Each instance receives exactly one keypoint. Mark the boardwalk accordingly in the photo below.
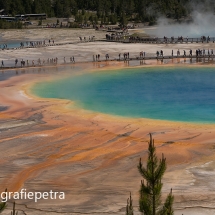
(122, 40)
(161, 40)
(204, 59)
(47, 45)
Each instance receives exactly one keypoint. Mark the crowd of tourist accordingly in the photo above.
(86, 39)
(137, 39)
(39, 62)
(198, 53)
(32, 44)
(121, 56)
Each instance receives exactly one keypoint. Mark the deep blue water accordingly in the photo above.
(167, 93)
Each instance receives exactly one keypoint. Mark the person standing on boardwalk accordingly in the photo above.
(178, 52)
(172, 52)
(98, 57)
(2, 63)
(125, 56)
(157, 53)
(203, 52)
(119, 56)
(162, 53)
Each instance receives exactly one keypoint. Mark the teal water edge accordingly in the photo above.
(166, 93)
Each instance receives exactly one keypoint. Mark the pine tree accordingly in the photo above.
(129, 207)
(150, 192)
(123, 20)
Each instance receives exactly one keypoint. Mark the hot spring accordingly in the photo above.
(166, 93)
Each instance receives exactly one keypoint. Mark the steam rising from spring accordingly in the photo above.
(202, 25)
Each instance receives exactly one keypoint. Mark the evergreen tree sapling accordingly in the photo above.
(150, 190)
(129, 207)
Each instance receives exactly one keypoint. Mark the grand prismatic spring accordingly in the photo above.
(166, 93)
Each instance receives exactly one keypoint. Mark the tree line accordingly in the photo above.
(107, 11)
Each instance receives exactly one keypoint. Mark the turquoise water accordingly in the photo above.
(176, 94)
(15, 44)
